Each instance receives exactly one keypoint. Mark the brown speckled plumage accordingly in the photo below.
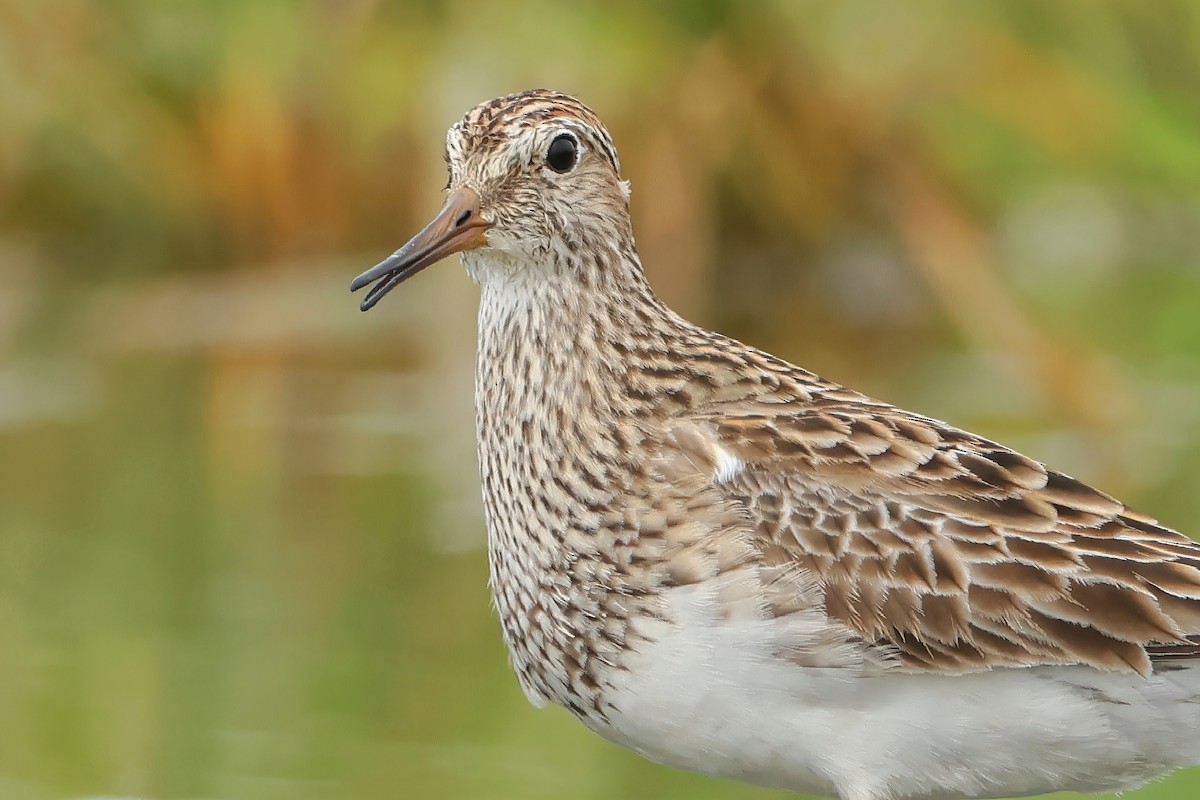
(638, 470)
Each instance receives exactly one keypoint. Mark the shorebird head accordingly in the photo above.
(534, 183)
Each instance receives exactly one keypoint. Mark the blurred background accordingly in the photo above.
(241, 546)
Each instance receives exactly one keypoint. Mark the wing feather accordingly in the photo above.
(952, 551)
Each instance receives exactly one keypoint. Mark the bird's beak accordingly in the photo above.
(456, 228)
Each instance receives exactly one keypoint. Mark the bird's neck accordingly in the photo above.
(552, 412)
(562, 337)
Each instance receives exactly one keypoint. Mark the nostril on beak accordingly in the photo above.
(462, 218)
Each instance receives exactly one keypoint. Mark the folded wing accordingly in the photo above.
(949, 551)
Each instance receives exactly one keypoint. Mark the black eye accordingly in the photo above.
(561, 155)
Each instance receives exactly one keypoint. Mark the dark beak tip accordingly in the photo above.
(376, 272)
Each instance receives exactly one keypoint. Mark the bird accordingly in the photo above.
(733, 566)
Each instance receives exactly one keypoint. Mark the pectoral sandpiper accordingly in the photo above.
(731, 565)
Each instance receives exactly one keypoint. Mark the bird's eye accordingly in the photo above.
(562, 153)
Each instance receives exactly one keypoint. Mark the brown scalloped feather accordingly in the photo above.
(953, 552)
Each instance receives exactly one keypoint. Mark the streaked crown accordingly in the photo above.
(493, 126)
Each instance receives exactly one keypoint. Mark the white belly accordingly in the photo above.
(713, 696)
